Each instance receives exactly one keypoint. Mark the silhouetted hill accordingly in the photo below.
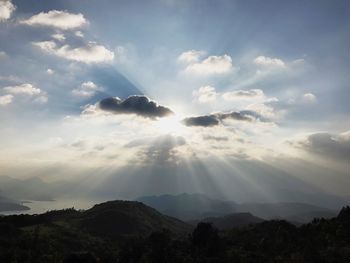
(117, 218)
(231, 220)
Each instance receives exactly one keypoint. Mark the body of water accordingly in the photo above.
(39, 207)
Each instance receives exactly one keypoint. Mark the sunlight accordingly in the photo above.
(171, 125)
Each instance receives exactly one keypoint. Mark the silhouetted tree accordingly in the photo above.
(206, 243)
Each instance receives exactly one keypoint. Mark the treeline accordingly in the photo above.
(48, 240)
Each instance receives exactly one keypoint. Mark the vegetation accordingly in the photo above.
(132, 232)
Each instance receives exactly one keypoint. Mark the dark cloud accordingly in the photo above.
(136, 104)
(215, 119)
(203, 121)
(326, 144)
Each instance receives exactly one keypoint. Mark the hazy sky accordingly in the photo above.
(243, 99)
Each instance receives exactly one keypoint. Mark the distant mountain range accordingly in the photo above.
(198, 206)
(26, 189)
(189, 206)
(7, 204)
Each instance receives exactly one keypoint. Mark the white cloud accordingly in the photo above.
(24, 89)
(59, 37)
(345, 136)
(6, 99)
(265, 110)
(211, 65)
(205, 94)
(89, 85)
(3, 54)
(91, 53)
(57, 19)
(243, 95)
(191, 56)
(42, 99)
(50, 71)
(309, 98)
(267, 61)
(86, 90)
(6, 10)
(79, 34)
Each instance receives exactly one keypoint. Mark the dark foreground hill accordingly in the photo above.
(231, 221)
(121, 231)
(127, 218)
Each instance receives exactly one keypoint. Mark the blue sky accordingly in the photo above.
(264, 82)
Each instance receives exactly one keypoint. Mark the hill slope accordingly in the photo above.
(118, 218)
(231, 220)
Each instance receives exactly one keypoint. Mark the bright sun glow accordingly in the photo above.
(171, 125)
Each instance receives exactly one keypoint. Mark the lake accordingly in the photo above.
(39, 207)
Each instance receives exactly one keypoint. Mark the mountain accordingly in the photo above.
(126, 231)
(26, 189)
(125, 218)
(231, 220)
(298, 212)
(189, 206)
(7, 204)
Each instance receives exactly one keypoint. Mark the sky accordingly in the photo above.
(245, 100)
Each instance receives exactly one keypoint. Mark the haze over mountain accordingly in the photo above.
(7, 204)
(201, 207)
